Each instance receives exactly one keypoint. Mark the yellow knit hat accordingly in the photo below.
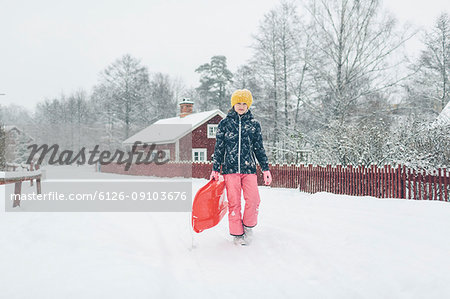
(242, 96)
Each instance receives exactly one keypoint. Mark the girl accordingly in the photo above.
(238, 145)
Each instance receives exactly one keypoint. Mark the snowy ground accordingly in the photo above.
(305, 246)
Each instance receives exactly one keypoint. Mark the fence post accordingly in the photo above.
(350, 179)
(386, 182)
(357, 180)
(291, 175)
(419, 179)
(439, 184)
(287, 176)
(324, 179)
(303, 182)
(435, 185)
(294, 176)
(346, 179)
(307, 177)
(329, 178)
(380, 181)
(391, 182)
(361, 180)
(38, 180)
(332, 180)
(403, 182)
(377, 181)
(430, 187)
(373, 180)
(31, 169)
(316, 178)
(337, 179)
(353, 181)
(399, 181)
(17, 192)
(425, 195)
(308, 173)
(446, 181)
(320, 178)
(300, 175)
(409, 183)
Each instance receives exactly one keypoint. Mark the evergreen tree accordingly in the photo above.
(21, 152)
(215, 77)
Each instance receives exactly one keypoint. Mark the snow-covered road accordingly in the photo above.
(305, 246)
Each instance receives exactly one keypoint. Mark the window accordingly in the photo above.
(199, 154)
(212, 130)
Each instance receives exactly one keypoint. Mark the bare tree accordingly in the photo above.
(179, 89)
(162, 99)
(2, 146)
(268, 64)
(429, 88)
(81, 119)
(287, 28)
(125, 84)
(354, 46)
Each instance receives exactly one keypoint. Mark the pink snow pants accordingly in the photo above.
(234, 183)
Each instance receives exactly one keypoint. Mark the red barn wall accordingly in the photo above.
(200, 137)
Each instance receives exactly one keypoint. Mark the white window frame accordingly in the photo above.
(199, 150)
(213, 127)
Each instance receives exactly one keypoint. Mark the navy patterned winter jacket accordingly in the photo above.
(238, 141)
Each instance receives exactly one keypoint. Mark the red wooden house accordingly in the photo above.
(187, 137)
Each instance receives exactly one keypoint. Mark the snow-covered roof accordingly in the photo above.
(444, 116)
(9, 128)
(169, 130)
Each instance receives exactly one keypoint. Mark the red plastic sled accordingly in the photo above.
(209, 206)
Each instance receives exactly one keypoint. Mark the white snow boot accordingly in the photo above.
(248, 234)
(239, 240)
(248, 231)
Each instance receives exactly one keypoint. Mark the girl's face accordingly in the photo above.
(240, 108)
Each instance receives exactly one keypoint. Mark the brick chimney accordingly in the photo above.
(186, 106)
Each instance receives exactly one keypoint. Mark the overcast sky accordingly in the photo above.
(49, 47)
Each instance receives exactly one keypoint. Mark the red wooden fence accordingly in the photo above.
(381, 182)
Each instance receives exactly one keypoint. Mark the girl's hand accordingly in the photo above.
(267, 177)
(214, 175)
